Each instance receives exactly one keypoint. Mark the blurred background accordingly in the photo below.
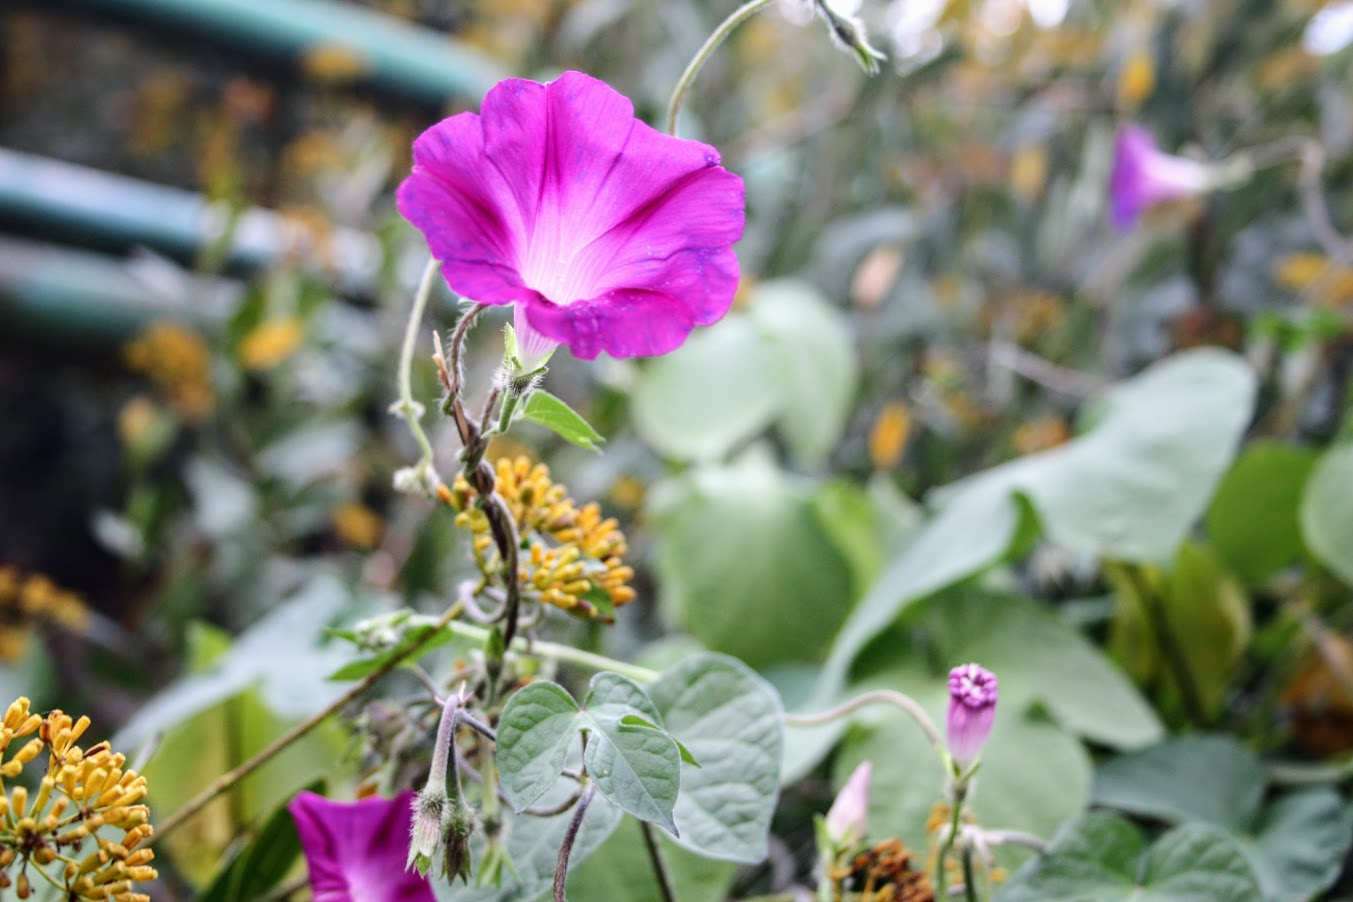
(203, 281)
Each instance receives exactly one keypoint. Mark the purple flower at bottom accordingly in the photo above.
(356, 850)
(607, 234)
(972, 709)
(1144, 176)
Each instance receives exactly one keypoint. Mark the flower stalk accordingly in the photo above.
(720, 34)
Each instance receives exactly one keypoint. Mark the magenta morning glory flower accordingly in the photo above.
(606, 234)
(1144, 176)
(356, 850)
(972, 709)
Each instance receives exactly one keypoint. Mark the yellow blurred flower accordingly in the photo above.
(271, 342)
(888, 438)
(1029, 171)
(26, 600)
(333, 63)
(1041, 434)
(1136, 80)
(1329, 282)
(177, 362)
(81, 798)
(358, 525)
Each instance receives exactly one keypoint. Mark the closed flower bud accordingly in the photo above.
(847, 819)
(972, 710)
(429, 808)
(458, 822)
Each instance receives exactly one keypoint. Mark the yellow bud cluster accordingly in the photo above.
(572, 551)
(177, 362)
(25, 600)
(80, 793)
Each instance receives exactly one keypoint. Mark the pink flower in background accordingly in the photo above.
(356, 850)
(1144, 176)
(607, 234)
(848, 817)
(972, 710)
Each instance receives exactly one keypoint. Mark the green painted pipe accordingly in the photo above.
(82, 297)
(399, 57)
(78, 205)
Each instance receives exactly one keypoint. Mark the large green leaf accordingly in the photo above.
(637, 767)
(1130, 489)
(719, 389)
(1209, 616)
(278, 654)
(745, 565)
(1327, 511)
(1207, 778)
(816, 361)
(789, 360)
(732, 722)
(1296, 844)
(537, 726)
(1254, 518)
(1098, 858)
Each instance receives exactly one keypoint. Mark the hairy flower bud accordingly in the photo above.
(429, 809)
(458, 821)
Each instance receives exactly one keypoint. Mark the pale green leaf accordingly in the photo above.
(1327, 511)
(1254, 519)
(732, 721)
(717, 390)
(545, 409)
(745, 565)
(638, 770)
(537, 725)
(1097, 858)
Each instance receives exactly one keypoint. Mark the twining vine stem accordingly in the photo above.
(407, 407)
(230, 778)
(558, 652)
(739, 15)
(886, 696)
(574, 825)
(664, 878)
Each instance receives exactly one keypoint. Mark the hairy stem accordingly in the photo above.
(406, 406)
(887, 696)
(557, 652)
(740, 15)
(229, 779)
(659, 866)
(574, 825)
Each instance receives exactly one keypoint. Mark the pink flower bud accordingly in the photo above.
(972, 709)
(847, 819)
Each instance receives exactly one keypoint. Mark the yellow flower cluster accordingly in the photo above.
(177, 361)
(81, 798)
(25, 600)
(573, 556)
